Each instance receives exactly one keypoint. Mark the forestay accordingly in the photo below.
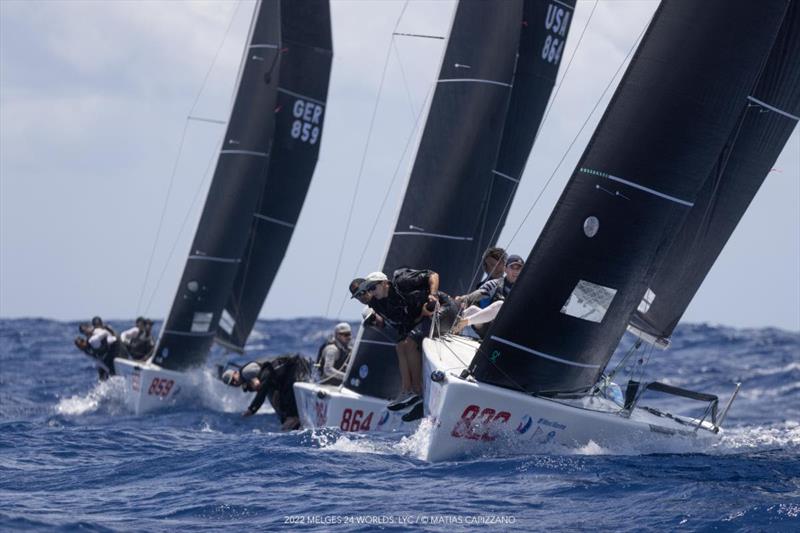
(767, 119)
(439, 220)
(656, 144)
(305, 66)
(233, 196)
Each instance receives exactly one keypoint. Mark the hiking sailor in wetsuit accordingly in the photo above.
(101, 343)
(407, 303)
(138, 340)
(494, 291)
(332, 356)
(274, 380)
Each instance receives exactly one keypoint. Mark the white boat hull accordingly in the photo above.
(148, 387)
(468, 417)
(326, 406)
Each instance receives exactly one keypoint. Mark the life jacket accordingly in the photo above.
(338, 363)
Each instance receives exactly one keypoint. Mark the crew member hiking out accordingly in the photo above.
(333, 355)
(274, 380)
(138, 340)
(99, 342)
(494, 291)
(407, 303)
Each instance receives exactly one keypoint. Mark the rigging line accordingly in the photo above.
(495, 233)
(405, 81)
(411, 137)
(201, 187)
(418, 35)
(178, 158)
(363, 161)
(577, 135)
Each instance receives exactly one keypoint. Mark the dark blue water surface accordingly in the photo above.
(73, 458)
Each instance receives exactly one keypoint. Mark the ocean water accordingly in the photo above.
(72, 457)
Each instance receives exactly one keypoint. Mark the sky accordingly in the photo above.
(102, 177)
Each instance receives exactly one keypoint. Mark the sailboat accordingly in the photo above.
(263, 172)
(500, 64)
(705, 107)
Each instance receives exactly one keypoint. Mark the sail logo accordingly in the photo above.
(307, 118)
(556, 23)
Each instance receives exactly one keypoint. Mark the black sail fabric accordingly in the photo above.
(439, 220)
(232, 199)
(769, 117)
(545, 27)
(305, 67)
(657, 142)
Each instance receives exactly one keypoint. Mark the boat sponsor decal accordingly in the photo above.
(543, 439)
(479, 424)
(545, 422)
(525, 424)
(321, 412)
(160, 387)
(384, 418)
(136, 380)
(669, 431)
(355, 420)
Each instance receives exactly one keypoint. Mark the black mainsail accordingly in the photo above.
(305, 67)
(658, 141)
(543, 36)
(768, 119)
(439, 219)
(235, 189)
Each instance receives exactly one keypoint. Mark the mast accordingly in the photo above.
(543, 36)
(768, 117)
(305, 67)
(656, 144)
(439, 219)
(239, 177)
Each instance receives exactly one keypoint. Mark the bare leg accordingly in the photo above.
(414, 361)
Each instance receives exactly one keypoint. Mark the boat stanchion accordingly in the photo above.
(728, 406)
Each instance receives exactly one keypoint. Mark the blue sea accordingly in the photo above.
(72, 457)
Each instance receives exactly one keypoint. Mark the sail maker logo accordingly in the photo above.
(307, 118)
(556, 23)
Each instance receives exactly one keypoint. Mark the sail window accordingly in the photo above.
(201, 322)
(647, 301)
(590, 226)
(589, 301)
(226, 322)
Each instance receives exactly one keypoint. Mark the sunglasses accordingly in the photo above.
(345, 334)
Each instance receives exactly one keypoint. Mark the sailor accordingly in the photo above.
(494, 291)
(138, 340)
(272, 379)
(493, 263)
(100, 343)
(333, 355)
(407, 303)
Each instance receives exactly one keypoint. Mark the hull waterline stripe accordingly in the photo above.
(264, 46)
(273, 220)
(190, 333)
(298, 95)
(772, 108)
(212, 258)
(245, 152)
(475, 80)
(654, 192)
(563, 4)
(541, 354)
(382, 343)
(437, 235)
(506, 176)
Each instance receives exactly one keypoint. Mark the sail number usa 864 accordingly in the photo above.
(307, 118)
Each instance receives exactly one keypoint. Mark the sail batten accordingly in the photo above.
(660, 137)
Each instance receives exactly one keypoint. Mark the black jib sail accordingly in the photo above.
(439, 219)
(545, 26)
(235, 189)
(306, 56)
(768, 118)
(656, 144)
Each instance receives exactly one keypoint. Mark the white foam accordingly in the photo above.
(112, 389)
